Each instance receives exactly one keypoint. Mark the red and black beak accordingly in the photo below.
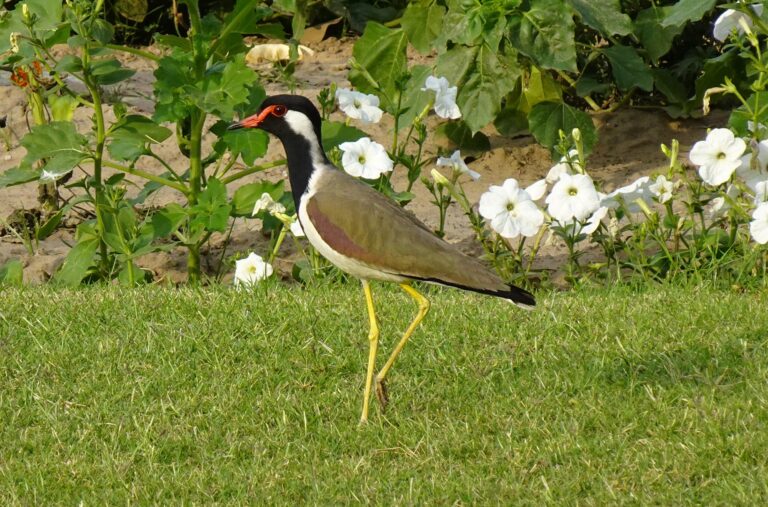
(253, 121)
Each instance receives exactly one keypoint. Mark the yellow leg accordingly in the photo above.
(373, 344)
(381, 388)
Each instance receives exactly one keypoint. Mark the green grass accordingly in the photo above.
(111, 396)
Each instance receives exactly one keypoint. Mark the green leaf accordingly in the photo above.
(69, 63)
(48, 14)
(12, 273)
(605, 16)
(246, 196)
(102, 31)
(18, 175)
(547, 119)
(58, 142)
(545, 33)
(381, 52)
(47, 228)
(212, 209)
(462, 137)
(173, 81)
(168, 219)
(422, 23)
(655, 38)
(111, 71)
(335, 132)
(79, 259)
(225, 90)
(483, 80)
(249, 144)
(757, 105)
(132, 134)
(629, 69)
(62, 107)
(686, 11)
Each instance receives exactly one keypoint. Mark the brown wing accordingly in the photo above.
(363, 224)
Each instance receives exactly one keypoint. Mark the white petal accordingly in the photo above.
(536, 190)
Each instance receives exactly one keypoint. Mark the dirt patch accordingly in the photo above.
(628, 147)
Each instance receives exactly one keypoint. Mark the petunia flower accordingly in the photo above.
(758, 227)
(730, 21)
(754, 166)
(265, 202)
(365, 159)
(662, 188)
(457, 165)
(565, 167)
(629, 194)
(359, 106)
(252, 269)
(718, 156)
(573, 197)
(296, 229)
(510, 210)
(445, 97)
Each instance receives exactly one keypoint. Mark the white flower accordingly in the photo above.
(296, 229)
(718, 156)
(445, 97)
(572, 197)
(754, 175)
(730, 21)
(457, 164)
(365, 159)
(758, 227)
(629, 194)
(662, 188)
(47, 175)
(537, 189)
(265, 202)
(359, 105)
(760, 130)
(250, 270)
(565, 167)
(510, 210)
(761, 192)
(719, 205)
(594, 220)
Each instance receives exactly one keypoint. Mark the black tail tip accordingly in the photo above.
(518, 296)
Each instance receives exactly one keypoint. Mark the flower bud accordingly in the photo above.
(576, 134)
(439, 178)
(15, 41)
(25, 14)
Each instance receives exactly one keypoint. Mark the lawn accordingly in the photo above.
(114, 396)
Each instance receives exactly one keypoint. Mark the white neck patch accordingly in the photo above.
(301, 125)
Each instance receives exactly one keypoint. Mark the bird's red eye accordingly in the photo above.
(279, 110)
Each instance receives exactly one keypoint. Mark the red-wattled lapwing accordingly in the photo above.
(363, 232)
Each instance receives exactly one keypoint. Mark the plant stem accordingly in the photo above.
(148, 176)
(252, 170)
(195, 186)
(134, 51)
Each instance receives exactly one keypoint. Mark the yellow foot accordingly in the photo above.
(382, 393)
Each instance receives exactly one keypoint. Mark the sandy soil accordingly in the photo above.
(628, 148)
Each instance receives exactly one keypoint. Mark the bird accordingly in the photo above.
(366, 234)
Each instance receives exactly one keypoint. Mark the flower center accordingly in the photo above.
(361, 159)
(357, 103)
(252, 270)
(573, 191)
(510, 206)
(720, 156)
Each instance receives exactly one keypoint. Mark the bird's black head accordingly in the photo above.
(285, 116)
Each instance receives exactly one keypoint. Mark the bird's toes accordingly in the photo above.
(382, 393)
